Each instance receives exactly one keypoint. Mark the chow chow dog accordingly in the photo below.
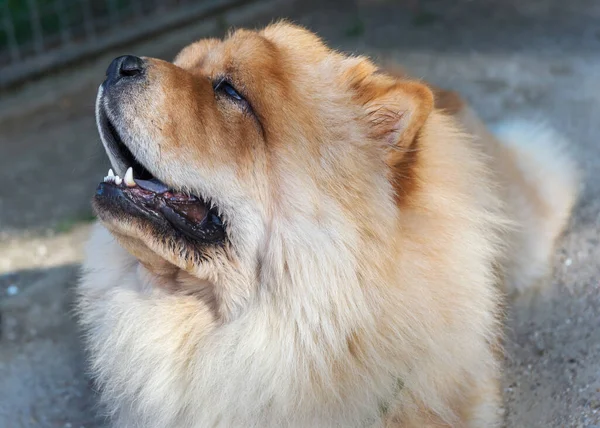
(293, 237)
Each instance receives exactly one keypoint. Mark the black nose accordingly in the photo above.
(125, 66)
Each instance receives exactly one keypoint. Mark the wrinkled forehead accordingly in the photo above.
(234, 54)
(267, 52)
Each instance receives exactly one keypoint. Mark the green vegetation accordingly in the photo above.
(55, 16)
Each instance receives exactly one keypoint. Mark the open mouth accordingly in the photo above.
(146, 197)
(115, 145)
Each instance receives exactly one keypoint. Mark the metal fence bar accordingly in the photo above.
(36, 26)
(11, 38)
(113, 12)
(88, 19)
(84, 37)
(60, 9)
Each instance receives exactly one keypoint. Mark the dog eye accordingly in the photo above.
(225, 87)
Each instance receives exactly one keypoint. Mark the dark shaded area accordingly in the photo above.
(37, 334)
(487, 26)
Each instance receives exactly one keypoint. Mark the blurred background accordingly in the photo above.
(533, 58)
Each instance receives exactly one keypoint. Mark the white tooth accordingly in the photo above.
(105, 179)
(117, 180)
(111, 173)
(128, 179)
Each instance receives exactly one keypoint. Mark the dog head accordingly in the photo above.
(253, 154)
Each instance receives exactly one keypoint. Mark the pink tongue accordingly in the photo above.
(153, 185)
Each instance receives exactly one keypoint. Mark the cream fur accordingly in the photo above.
(543, 158)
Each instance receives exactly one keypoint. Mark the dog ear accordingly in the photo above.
(396, 110)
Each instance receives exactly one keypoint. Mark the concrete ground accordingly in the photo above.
(509, 58)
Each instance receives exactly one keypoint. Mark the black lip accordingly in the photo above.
(160, 210)
(109, 195)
